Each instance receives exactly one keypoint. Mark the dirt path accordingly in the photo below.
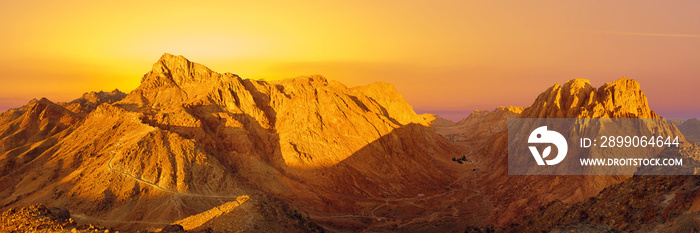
(111, 168)
(81, 217)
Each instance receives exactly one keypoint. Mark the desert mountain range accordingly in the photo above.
(212, 151)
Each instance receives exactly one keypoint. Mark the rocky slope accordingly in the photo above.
(36, 218)
(638, 204)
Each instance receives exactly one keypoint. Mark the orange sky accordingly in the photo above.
(448, 57)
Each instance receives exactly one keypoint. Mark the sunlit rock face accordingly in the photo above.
(188, 138)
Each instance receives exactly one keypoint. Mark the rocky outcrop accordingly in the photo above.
(36, 218)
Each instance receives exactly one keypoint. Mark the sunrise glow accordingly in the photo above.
(447, 57)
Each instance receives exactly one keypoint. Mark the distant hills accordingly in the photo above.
(691, 130)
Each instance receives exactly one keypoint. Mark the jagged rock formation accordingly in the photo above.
(622, 98)
(575, 99)
(484, 137)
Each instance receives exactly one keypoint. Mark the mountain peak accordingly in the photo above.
(168, 60)
(168, 63)
(578, 98)
(177, 69)
(577, 84)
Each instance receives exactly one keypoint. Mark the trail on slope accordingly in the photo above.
(93, 219)
(111, 168)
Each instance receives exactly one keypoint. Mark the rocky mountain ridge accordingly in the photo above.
(207, 150)
(189, 139)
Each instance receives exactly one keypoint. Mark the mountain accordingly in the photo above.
(189, 139)
(517, 196)
(676, 122)
(27, 131)
(198, 150)
(473, 131)
(437, 121)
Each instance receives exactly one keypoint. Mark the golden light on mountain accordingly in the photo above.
(194, 149)
(293, 116)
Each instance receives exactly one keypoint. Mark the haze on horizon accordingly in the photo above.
(447, 57)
